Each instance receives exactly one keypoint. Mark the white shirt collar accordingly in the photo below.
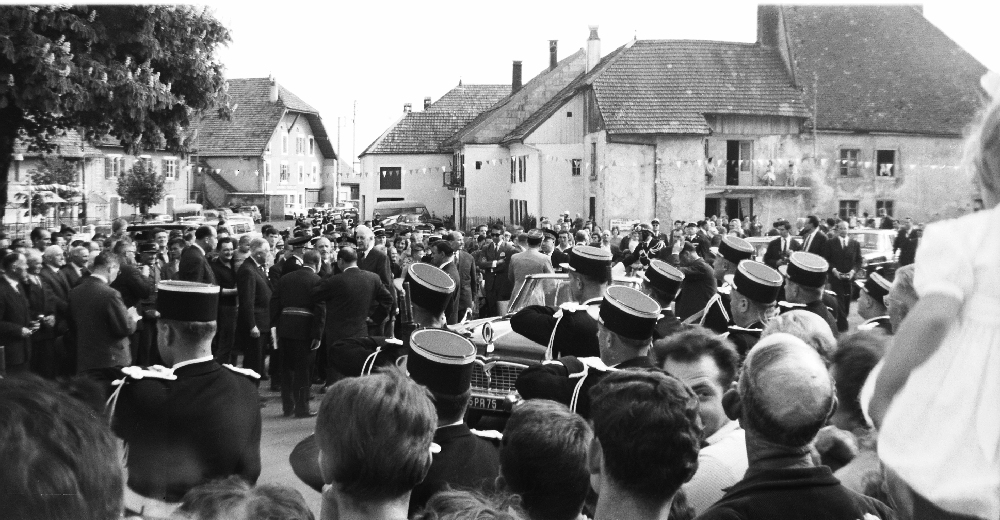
(195, 244)
(13, 283)
(726, 429)
(78, 269)
(450, 425)
(441, 267)
(100, 277)
(191, 362)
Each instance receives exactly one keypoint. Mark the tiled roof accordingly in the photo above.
(70, 145)
(882, 68)
(491, 126)
(254, 121)
(545, 112)
(424, 132)
(665, 86)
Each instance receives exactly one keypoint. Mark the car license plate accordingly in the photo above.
(486, 403)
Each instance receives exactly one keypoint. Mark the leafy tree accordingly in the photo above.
(141, 187)
(57, 175)
(138, 74)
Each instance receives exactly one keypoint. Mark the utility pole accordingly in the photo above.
(815, 117)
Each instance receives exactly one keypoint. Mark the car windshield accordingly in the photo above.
(868, 240)
(552, 292)
(411, 218)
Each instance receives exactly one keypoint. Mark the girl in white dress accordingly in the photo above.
(937, 400)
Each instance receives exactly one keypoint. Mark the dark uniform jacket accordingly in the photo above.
(745, 337)
(194, 266)
(101, 323)
(204, 425)
(697, 288)
(667, 325)
(294, 312)
(68, 273)
(132, 285)
(376, 261)
(254, 292)
(794, 493)
(774, 253)
(15, 314)
(575, 331)
(551, 380)
(351, 298)
(643, 252)
(906, 242)
(497, 285)
(466, 461)
(559, 258)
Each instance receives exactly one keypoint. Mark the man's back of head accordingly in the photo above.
(647, 435)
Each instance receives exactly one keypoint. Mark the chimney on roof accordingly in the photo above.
(274, 90)
(427, 102)
(593, 48)
(515, 80)
(407, 108)
(553, 53)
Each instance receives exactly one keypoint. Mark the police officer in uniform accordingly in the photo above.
(732, 250)
(442, 361)
(805, 276)
(570, 330)
(299, 320)
(755, 288)
(871, 303)
(627, 319)
(194, 422)
(661, 282)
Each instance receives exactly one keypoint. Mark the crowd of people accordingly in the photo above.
(719, 387)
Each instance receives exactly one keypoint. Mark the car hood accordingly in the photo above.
(507, 345)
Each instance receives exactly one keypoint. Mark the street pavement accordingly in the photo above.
(278, 437)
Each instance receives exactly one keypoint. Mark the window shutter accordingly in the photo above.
(107, 167)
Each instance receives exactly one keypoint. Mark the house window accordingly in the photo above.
(849, 166)
(888, 205)
(267, 171)
(513, 175)
(593, 160)
(300, 199)
(283, 178)
(390, 178)
(575, 167)
(885, 163)
(848, 209)
(169, 168)
(569, 114)
(479, 165)
(312, 145)
(300, 144)
(315, 172)
(112, 166)
(522, 168)
(746, 156)
(284, 142)
(302, 170)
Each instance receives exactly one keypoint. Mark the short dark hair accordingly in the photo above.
(648, 426)
(203, 232)
(106, 259)
(691, 345)
(311, 257)
(61, 460)
(443, 246)
(348, 254)
(855, 357)
(177, 241)
(55, 237)
(451, 408)
(9, 259)
(36, 233)
(268, 229)
(226, 240)
(215, 500)
(543, 458)
(813, 220)
(375, 433)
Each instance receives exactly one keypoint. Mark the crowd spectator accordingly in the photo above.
(194, 266)
(806, 326)
(252, 315)
(101, 321)
(234, 499)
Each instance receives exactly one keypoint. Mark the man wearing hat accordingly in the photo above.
(191, 423)
(698, 290)
(755, 289)
(493, 261)
(299, 320)
(442, 362)
(805, 276)
(732, 250)
(661, 282)
(657, 235)
(569, 330)
(626, 321)
(649, 247)
(871, 303)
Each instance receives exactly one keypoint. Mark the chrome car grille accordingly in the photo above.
(495, 377)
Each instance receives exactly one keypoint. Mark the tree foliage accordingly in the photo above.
(138, 74)
(141, 186)
(54, 174)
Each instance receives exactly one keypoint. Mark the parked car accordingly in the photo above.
(147, 232)
(407, 222)
(502, 353)
(876, 251)
(152, 218)
(250, 211)
(760, 245)
(239, 225)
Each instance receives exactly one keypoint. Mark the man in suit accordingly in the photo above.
(884, 220)
(325, 250)
(42, 305)
(528, 262)
(16, 322)
(225, 277)
(443, 257)
(195, 422)
(253, 319)
(76, 266)
(625, 332)
(779, 248)
(468, 291)
(906, 242)
(101, 321)
(805, 276)
(194, 266)
(699, 285)
(570, 329)
(704, 242)
(493, 262)
(813, 238)
(844, 256)
(560, 254)
(299, 320)
(57, 286)
(374, 260)
(175, 248)
(442, 362)
(352, 298)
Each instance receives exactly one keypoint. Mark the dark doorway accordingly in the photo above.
(593, 208)
(739, 208)
(711, 207)
(732, 163)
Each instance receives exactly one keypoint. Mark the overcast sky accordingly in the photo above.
(382, 54)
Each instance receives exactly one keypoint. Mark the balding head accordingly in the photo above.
(807, 326)
(786, 393)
